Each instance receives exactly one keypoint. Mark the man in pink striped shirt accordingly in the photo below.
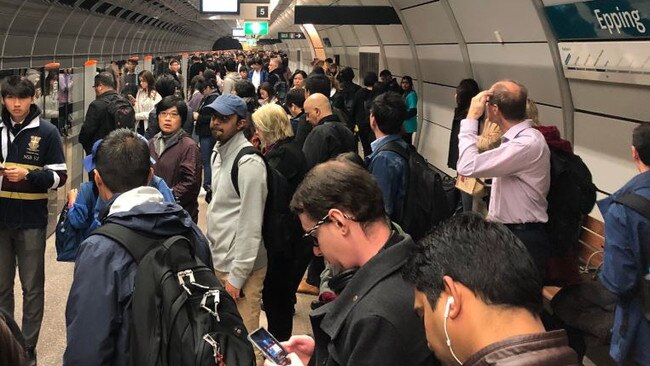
(520, 166)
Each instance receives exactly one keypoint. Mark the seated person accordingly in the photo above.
(480, 296)
(371, 322)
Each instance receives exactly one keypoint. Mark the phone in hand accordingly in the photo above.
(269, 346)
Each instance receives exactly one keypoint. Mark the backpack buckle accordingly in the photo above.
(204, 301)
(181, 279)
(216, 347)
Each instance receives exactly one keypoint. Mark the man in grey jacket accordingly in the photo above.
(235, 220)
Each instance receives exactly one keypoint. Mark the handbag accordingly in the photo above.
(472, 186)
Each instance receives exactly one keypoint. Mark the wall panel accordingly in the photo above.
(434, 146)
(429, 23)
(442, 64)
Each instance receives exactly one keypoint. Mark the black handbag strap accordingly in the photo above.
(641, 205)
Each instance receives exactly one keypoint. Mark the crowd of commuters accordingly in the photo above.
(382, 298)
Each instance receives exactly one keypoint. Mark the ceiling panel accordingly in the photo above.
(429, 23)
(366, 35)
(392, 34)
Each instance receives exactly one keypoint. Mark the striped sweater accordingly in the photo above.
(37, 147)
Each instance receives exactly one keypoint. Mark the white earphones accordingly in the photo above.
(450, 301)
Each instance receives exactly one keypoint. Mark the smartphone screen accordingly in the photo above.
(269, 346)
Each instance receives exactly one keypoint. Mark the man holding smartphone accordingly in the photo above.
(372, 321)
(33, 163)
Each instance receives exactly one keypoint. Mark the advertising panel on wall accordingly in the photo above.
(599, 19)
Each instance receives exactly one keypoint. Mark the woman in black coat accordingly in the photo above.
(285, 269)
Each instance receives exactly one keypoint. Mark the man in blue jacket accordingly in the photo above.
(390, 169)
(624, 262)
(98, 310)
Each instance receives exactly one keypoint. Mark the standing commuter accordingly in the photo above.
(257, 75)
(210, 92)
(475, 319)
(626, 262)
(388, 167)
(235, 219)
(348, 90)
(98, 312)
(231, 78)
(294, 104)
(145, 100)
(129, 79)
(411, 98)
(175, 71)
(95, 126)
(33, 163)
(361, 108)
(372, 321)
(166, 85)
(285, 267)
(520, 165)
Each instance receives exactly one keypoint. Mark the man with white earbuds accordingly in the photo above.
(480, 296)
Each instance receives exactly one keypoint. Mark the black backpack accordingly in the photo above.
(280, 88)
(181, 313)
(276, 229)
(426, 201)
(571, 196)
(120, 113)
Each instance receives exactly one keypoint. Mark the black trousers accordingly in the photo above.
(283, 275)
(535, 238)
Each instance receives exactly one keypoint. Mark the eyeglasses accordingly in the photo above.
(312, 230)
(168, 114)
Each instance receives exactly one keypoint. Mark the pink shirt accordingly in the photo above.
(521, 169)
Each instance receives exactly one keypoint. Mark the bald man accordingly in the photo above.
(329, 137)
(520, 166)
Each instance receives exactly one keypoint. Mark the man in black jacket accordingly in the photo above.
(95, 126)
(372, 322)
(329, 137)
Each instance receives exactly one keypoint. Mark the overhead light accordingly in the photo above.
(214, 17)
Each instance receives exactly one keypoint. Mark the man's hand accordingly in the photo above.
(477, 108)
(72, 196)
(232, 291)
(293, 360)
(301, 345)
(15, 174)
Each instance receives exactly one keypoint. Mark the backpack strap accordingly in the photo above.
(136, 244)
(395, 147)
(636, 202)
(234, 172)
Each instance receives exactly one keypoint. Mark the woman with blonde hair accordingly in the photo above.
(285, 268)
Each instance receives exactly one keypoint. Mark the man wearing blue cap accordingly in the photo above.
(235, 217)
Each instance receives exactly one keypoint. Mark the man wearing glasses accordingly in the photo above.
(95, 127)
(372, 320)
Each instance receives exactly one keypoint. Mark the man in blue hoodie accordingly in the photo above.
(627, 233)
(98, 310)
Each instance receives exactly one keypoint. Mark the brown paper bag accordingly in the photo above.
(473, 186)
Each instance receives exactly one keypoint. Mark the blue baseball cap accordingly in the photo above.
(90, 160)
(229, 104)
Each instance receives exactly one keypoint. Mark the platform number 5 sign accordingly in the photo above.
(262, 11)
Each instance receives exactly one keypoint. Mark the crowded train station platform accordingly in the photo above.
(325, 182)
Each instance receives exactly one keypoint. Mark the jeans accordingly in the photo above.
(207, 144)
(27, 247)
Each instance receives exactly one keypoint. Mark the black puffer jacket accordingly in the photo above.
(95, 126)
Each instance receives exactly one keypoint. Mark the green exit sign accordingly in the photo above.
(256, 28)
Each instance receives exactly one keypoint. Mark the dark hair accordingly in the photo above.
(465, 91)
(511, 105)
(105, 78)
(199, 83)
(172, 101)
(409, 80)
(230, 65)
(166, 85)
(345, 186)
(123, 161)
(317, 83)
(370, 79)
(304, 75)
(389, 110)
(209, 74)
(295, 96)
(347, 74)
(317, 70)
(11, 342)
(17, 86)
(173, 60)
(148, 77)
(329, 60)
(641, 142)
(484, 256)
(245, 88)
(385, 73)
(268, 88)
(351, 157)
(244, 69)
